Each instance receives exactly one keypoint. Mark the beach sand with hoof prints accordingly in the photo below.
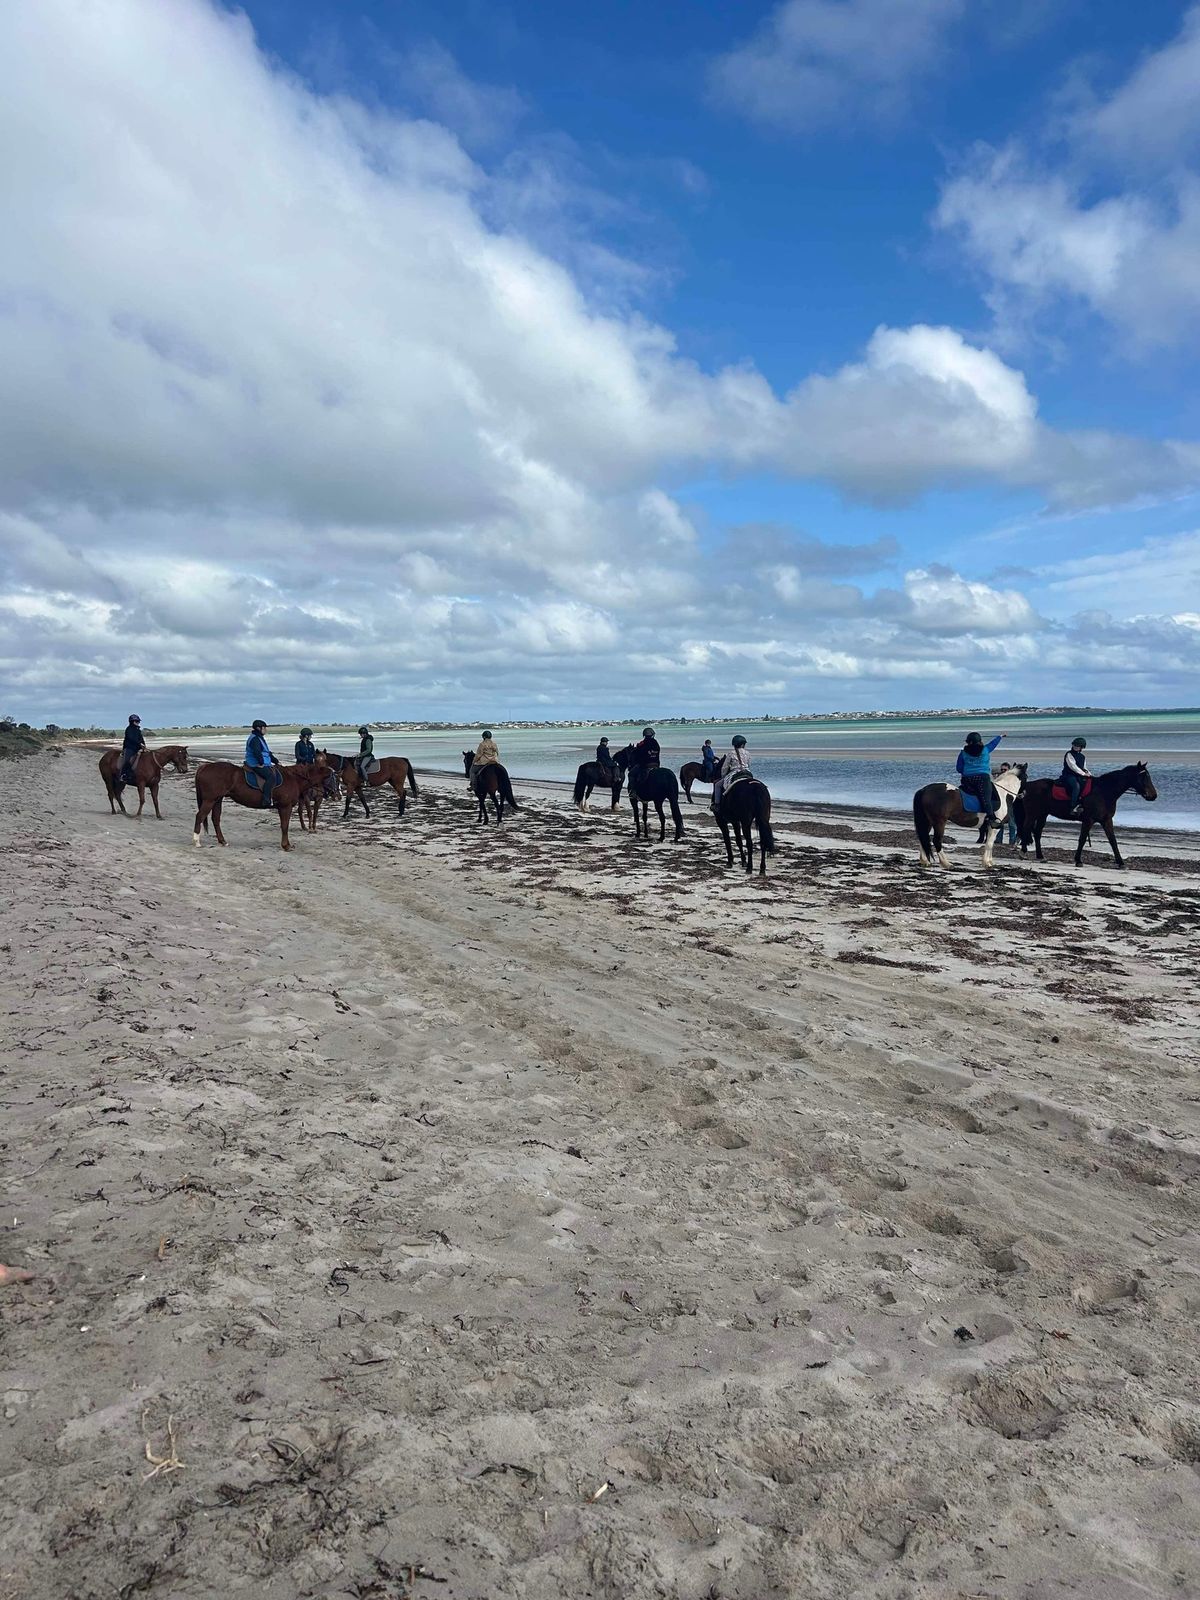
(477, 1213)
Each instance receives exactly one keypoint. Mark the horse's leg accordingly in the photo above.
(687, 792)
(154, 797)
(141, 789)
(724, 827)
(216, 819)
(1106, 824)
(1085, 829)
(749, 844)
(201, 821)
(662, 821)
(285, 817)
(762, 852)
(939, 834)
(989, 839)
(399, 797)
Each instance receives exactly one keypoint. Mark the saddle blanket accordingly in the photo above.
(1058, 791)
(271, 776)
(971, 803)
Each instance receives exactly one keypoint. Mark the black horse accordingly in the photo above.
(594, 775)
(492, 783)
(1099, 806)
(650, 785)
(744, 803)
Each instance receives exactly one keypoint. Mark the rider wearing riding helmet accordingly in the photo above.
(366, 753)
(708, 761)
(604, 756)
(131, 749)
(487, 753)
(1075, 774)
(647, 749)
(306, 750)
(258, 752)
(736, 759)
(974, 766)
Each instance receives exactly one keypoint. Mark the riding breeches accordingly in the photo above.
(981, 786)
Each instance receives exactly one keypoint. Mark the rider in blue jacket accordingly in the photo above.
(258, 752)
(974, 766)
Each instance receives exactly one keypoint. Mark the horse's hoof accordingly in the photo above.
(196, 840)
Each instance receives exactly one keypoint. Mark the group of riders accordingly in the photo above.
(974, 763)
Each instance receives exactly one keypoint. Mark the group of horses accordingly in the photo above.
(745, 804)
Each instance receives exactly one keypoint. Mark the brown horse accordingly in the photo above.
(147, 774)
(491, 783)
(939, 803)
(396, 770)
(746, 802)
(309, 803)
(1098, 806)
(693, 772)
(218, 781)
(652, 785)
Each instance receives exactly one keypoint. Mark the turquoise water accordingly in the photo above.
(839, 761)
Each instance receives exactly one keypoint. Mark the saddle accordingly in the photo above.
(972, 804)
(1058, 791)
(271, 778)
(736, 777)
(368, 768)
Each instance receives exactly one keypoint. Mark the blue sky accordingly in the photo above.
(377, 359)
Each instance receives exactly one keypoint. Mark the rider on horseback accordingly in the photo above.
(131, 749)
(604, 756)
(646, 755)
(708, 761)
(974, 766)
(1075, 774)
(260, 760)
(306, 750)
(733, 763)
(365, 761)
(487, 753)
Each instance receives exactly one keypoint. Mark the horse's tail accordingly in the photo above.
(676, 814)
(921, 823)
(766, 833)
(510, 798)
(412, 779)
(580, 785)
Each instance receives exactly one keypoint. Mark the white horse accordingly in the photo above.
(939, 803)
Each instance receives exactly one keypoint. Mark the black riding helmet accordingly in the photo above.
(306, 733)
(1078, 744)
(363, 732)
(487, 733)
(739, 740)
(604, 740)
(647, 733)
(135, 718)
(974, 741)
(258, 725)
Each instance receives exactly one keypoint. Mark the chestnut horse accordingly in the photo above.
(939, 803)
(492, 782)
(1098, 806)
(147, 774)
(218, 781)
(693, 772)
(746, 802)
(396, 770)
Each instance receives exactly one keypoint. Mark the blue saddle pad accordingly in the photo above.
(269, 779)
(970, 802)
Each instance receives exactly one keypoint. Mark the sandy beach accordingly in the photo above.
(454, 1212)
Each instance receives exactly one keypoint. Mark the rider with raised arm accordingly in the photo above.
(1075, 774)
(735, 761)
(974, 767)
(132, 747)
(487, 753)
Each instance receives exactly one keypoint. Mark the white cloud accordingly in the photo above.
(287, 413)
(828, 62)
(1049, 226)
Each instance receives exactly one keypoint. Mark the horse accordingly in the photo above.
(396, 770)
(1099, 806)
(693, 772)
(491, 783)
(147, 774)
(656, 784)
(218, 781)
(939, 803)
(309, 804)
(594, 775)
(746, 802)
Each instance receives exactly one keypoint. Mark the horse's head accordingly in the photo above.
(468, 757)
(1021, 768)
(624, 757)
(176, 757)
(1144, 783)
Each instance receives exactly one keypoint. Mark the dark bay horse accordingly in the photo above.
(744, 803)
(147, 774)
(650, 785)
(492, 783)
(396, 770)
(1100, 806)
(693, 772)
(594, 775)
(218, 781)
(939, 803)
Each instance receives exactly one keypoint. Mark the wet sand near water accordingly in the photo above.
(463, 1212)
